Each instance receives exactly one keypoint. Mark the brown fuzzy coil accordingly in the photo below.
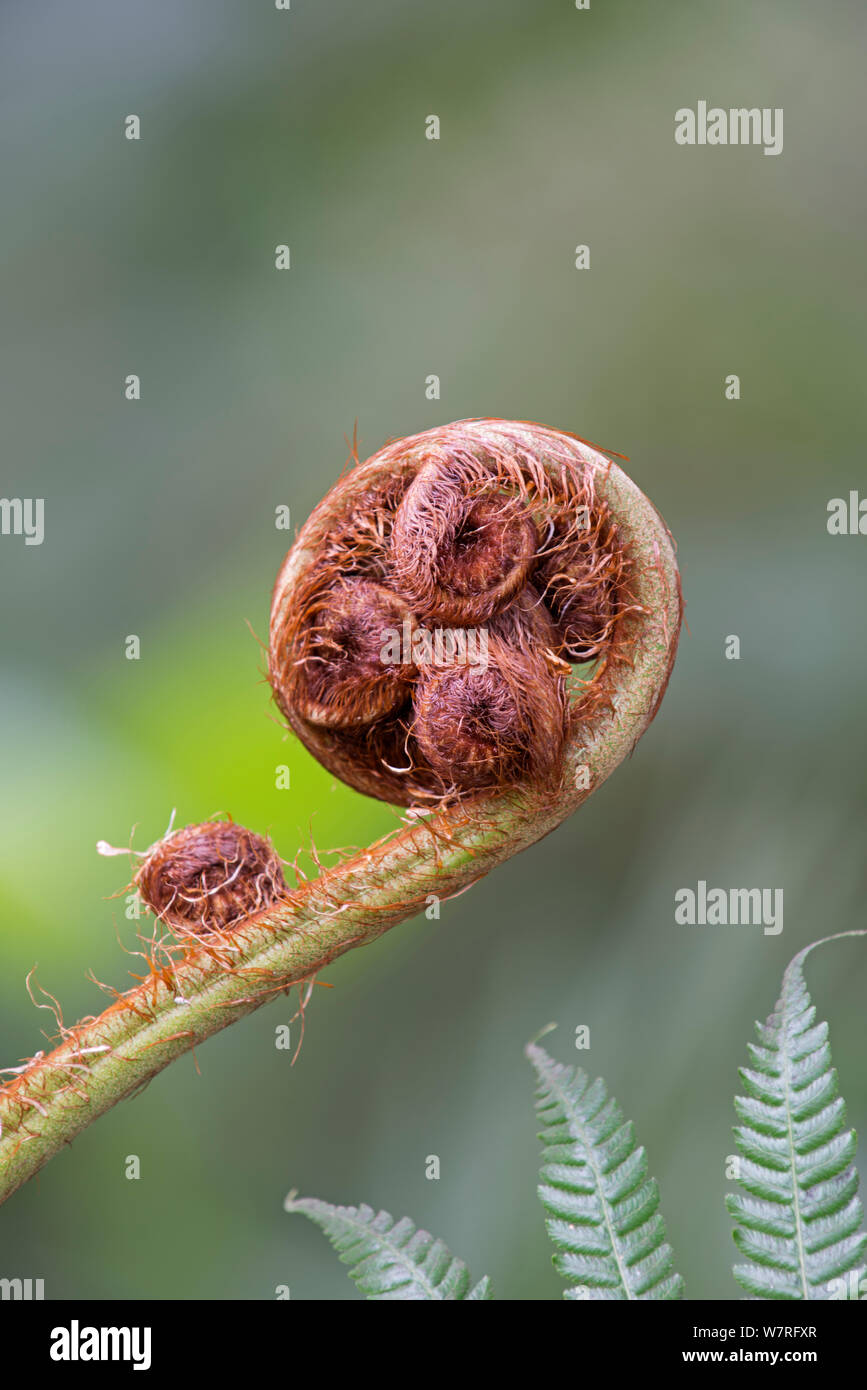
(457, 556)
(528, 625)
(579, 581)
(336, 676)
(209, 877)
(435, 609)
(496, 723)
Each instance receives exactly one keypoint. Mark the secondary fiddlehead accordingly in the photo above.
(525, 533)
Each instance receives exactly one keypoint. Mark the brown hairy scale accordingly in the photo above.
(580, 578)
(381, 760)
(529, 625)
(466, 536)
(456, 556)
(209, 877)
(492, 725)
(503, 722)
(334, 674)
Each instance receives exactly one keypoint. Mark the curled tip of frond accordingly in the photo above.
(445, 589)
(532, 1047)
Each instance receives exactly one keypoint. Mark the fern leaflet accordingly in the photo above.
(390, 1259)
(602, 1208)
(799, 1215)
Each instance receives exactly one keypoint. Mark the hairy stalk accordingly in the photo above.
(107, 1058)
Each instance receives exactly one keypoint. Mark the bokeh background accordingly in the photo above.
(412, 257)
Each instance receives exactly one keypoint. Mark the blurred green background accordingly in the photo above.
(412, 257)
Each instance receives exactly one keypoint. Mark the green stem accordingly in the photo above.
(105, 1059)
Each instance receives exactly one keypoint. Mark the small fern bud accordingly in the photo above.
(208, 878)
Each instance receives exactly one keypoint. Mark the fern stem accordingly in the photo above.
(788, 1087)
(580, 1131)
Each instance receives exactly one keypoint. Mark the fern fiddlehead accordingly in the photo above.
(527, 531)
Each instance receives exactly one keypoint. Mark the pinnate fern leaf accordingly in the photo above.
(390, 1259)
(602, 1209)
(798, 1217)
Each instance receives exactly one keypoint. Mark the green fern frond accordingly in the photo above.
(602, 1208)
(390, 1259)
(799, 1216)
